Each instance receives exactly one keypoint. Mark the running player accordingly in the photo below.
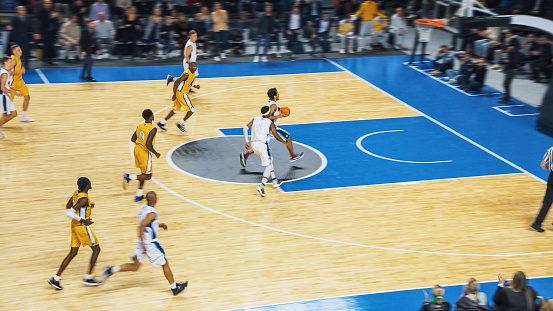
(7, 107)
(79, 210)
(275, 114)
(18, 82)
(180, 98)
(148, 244)
(144, 139)
(190, 54)
(261, 127)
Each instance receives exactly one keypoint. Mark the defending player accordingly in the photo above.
(275, 114)
(148, 244)
(7, 108)
(144, 139)
(261, 127)
(180, 98)
(18, 82)
(79, 210)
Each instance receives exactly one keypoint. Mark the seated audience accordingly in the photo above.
(69, 36)
(105, 33)
(201, 29)
(542, 64)
(471, 298)
(477, 77)
(515, 296)
(398, 29)
(460, 76)
(166, 36)
(293, 27)
(320, 35)
(97, 7)
(437, 302)
(346, 32)
(443, 61)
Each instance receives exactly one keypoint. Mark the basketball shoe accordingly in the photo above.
(296, 157)
(180, 287)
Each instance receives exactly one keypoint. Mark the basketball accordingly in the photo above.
(285, 111)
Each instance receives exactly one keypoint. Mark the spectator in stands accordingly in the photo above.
(89, 46)
(144, 7)
(120, 9)
(97, 7)
(78, 8)
(275, 37)
(471, 298)
(443, 61)
(510, 60)
(49, 26)
(470, 38)
(21, 33)
(398, 29)
(165, 6)
(437, 302)
(151, 33)
(460, 76)
(104, 34)
(368, 10)
(201, 29)
(166, 36)
(542, 64)
(509, 39)
(516, 296)
(479, 76)
(264, 27)
(182, 28)
(314, 10)
(342, 8)
(380, 30)
(179, 5)
(69, 36)
(220, 30)
(320, 35)
(206, 17)
(490, 38)
(346, 32)
(530, 46)
(293, 28)
(130, 33)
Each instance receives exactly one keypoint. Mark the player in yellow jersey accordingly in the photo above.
(181, 87)
(18, 82)
(79, 210)
(144, 139)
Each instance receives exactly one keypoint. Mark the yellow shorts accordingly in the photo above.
(183, 101)
(143, 160)
(21, 87)
(83, 236)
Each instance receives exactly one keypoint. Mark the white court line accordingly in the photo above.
(498, 108)
(42, 76)
(442, 125)
(358, 143)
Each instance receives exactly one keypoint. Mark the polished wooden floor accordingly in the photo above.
(84, 130)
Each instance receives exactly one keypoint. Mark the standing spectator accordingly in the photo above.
(293, 28)
(437, 302)
(517, 296)
(104, 34)
(320, 35)
(120, 9)
(97, 7)
(166, 36)
(264, 25)
(314, 10)
(510, 62)
(346, 32)
(368, 10)
(479, 72)
(89, 46)
(181, 30)
(443, 61)
(21, 32)
(471, 298)
(79, 9)
(48, 25)
(542, 64)
(398, 29)
(151, 33)
(530, 46)
(201, 29)
(69, 37)
(220, 30)
(130, 32)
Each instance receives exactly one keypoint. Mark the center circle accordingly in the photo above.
(218, 159)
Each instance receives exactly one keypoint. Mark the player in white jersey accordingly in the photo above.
(261, 128)
(190, 54)
(7, 108)
(147, 244)
(275, 114)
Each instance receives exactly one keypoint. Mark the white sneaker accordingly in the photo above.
(342, 51)
(278, 54)
(26, 119)
(264, 59)
(217, 58)
(223, 55)
(256, 59)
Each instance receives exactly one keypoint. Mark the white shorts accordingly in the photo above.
(154, 251)
(6, 106)
(263, 151)
(185, 65)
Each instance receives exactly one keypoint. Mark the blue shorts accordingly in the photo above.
(282, 133)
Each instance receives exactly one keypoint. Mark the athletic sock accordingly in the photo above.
(247, 154)
(88, 276)
(181, 122)
(174, 285)
(133, 177)
(24, 114)
(163, 121)
(115, 269)
(138, 192)
(56, 278)
(273, 176)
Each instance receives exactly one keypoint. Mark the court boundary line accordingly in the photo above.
(42, 76)
(441, 124)
(498, 108)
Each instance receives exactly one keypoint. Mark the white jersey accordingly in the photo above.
(9, 80)
(150, 234)
(277, 111)
(192, 55)
(260, 129)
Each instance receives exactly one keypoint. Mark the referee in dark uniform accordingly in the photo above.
(546, 164)
(89, 46)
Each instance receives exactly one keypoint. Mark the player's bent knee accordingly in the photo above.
(148, 177)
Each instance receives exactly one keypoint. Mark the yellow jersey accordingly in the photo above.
(142, 132)
(17, 77)
(184, 86)
(84, 210)
(368, 10)
(345, 28)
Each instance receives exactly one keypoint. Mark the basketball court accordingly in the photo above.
(406, 183)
